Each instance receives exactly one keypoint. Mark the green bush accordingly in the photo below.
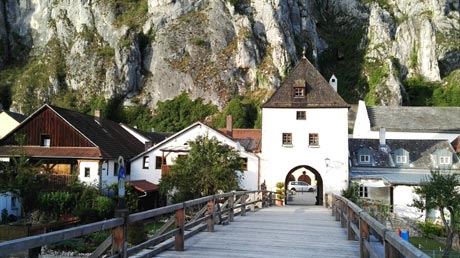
(104, 206)
(136, 233)
(430, 230)
(56, 203)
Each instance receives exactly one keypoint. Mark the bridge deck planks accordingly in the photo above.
(288, 231)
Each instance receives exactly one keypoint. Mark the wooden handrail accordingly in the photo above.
(375, 239)
(237, 203)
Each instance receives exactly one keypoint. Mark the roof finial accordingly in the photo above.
(304, 52)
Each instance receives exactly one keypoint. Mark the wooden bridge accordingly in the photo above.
(210, 227)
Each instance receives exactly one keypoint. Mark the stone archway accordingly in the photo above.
(317, 176)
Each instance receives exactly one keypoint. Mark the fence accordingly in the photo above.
(374, 238)
(193, 216)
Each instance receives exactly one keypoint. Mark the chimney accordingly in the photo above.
(148, 145)
(97, 113)
(152, 130)
(229, 126)
(382, 136)
(333, 82)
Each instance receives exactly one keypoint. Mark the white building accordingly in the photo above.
(404, 122)
(150, 164)
(305, 128)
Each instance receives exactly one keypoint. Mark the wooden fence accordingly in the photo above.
(375, 240)
(186, 219)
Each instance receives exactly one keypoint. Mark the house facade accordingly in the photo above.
(388, 170)
(152, 163)
(305, 129)
(64, 142)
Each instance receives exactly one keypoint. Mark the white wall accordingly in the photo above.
(154, 175)
(6, 203)
(402, 199)
(93, 166)
(7, 124)
(332, 126)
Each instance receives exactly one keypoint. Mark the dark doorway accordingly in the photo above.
(297, 193)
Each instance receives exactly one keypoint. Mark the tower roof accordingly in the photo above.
(305, 87)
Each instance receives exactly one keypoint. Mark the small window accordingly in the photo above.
(401, 159)
(244, 164)
(364, 158)
(287, 138)
(87, 172)
(45, 140)
(444, 160)
(158, 162)
(301, 115)
(363, 191)
(299, 92)
(313, 139)
(145, 163)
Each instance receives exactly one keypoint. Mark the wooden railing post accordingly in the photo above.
(243, 205)
(179, 235)
(231, 205)
(343, 214)
(338, 206)
(390, 250)
(351, 219)
(326, 203)
(272, 200)
(211, 213)
(120, 239)
(334, 205)
(363, 236)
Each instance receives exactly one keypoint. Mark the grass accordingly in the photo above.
(431, 247)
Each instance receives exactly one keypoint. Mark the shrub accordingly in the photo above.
(430, 230)
(104, 206)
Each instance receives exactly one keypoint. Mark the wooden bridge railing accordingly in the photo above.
(185, 220)
(375, 240)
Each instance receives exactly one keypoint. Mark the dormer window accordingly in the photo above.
(299, 92)
(45, 140)
(444, 160)
(401, 159)
(364, 158)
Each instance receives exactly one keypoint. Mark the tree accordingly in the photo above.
(244, 113)
(180, 112)
(441, 191)
(209, 167)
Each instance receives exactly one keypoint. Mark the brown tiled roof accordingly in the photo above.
(143, 185)
(249, 139)
(51, 152)
(319, 94)
(111, 138)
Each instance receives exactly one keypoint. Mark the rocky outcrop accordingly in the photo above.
(214, 49)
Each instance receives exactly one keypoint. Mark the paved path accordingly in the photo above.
(288, 231)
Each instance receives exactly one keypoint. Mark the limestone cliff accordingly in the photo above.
(145, 51)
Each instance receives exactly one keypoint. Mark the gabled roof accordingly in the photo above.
(415, 119)
(16, 116)
(109, 137)
(319, 93)
(174, 136)
(419, 151)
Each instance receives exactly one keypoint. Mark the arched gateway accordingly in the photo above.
(315, 180)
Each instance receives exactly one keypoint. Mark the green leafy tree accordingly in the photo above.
(441, 192)
(209, 167)
(180, 112)
(244, 114)
(22, 181)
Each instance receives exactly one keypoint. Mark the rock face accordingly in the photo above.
(213, 49)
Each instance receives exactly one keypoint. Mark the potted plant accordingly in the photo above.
(280, 193)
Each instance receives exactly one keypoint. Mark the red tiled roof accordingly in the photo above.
(51, 152)
(143, 185)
